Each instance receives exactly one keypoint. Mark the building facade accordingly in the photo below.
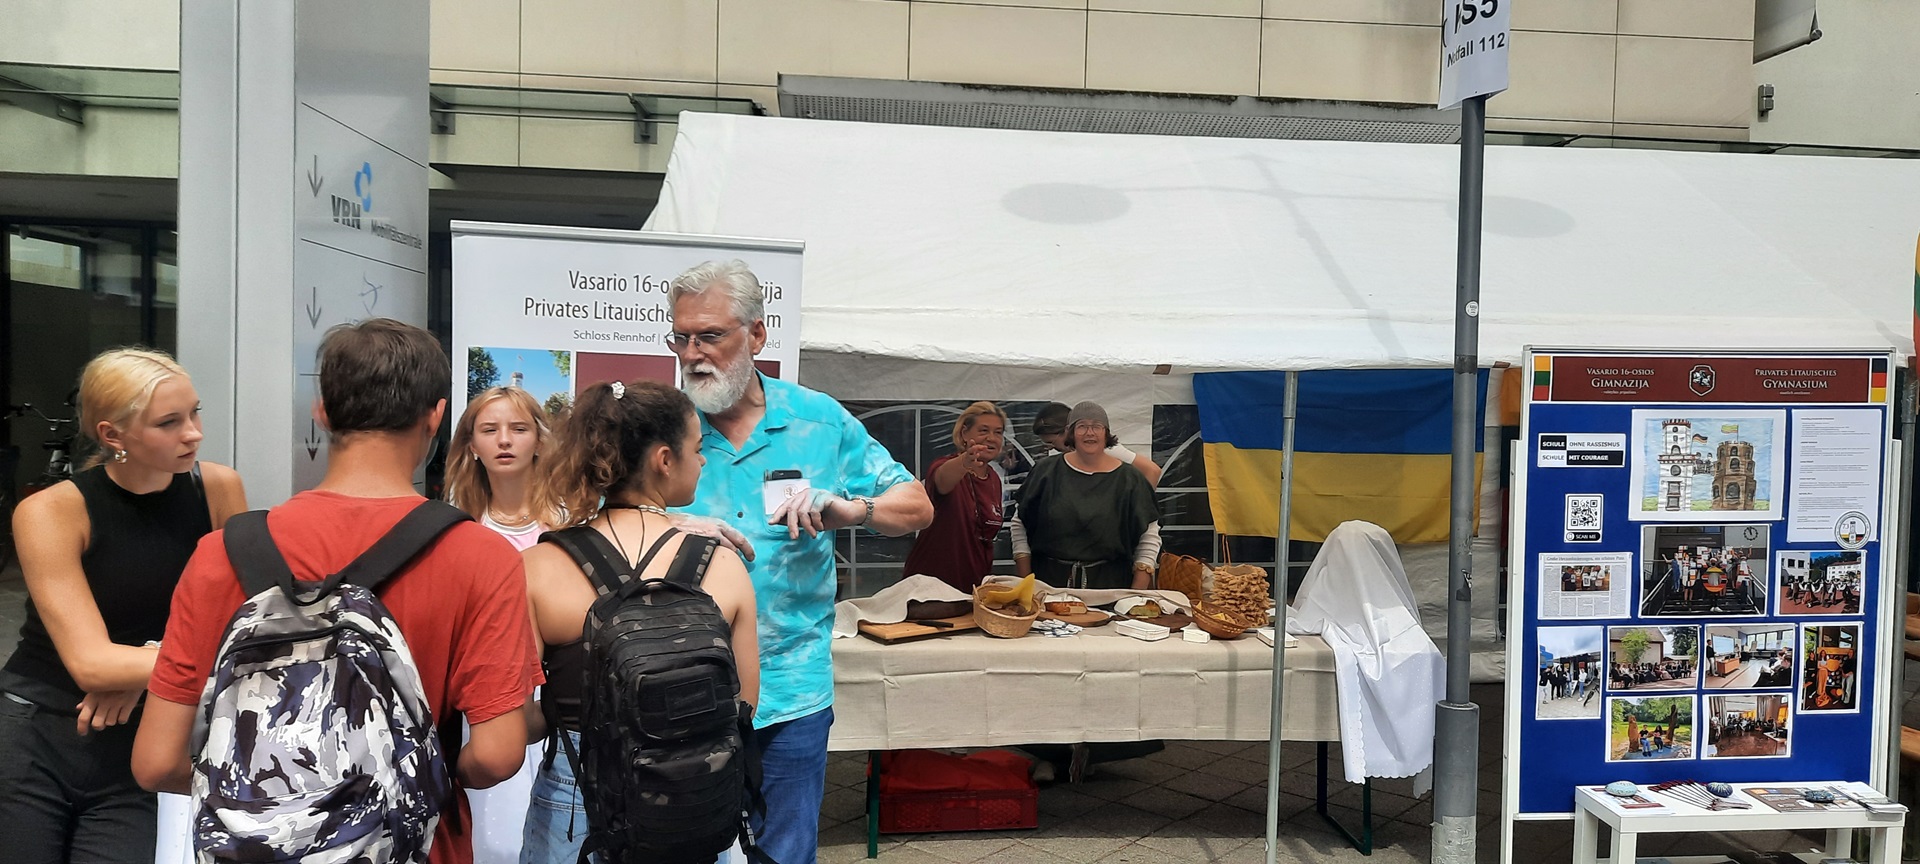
(563, 111)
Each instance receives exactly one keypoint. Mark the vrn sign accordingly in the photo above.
(347, 211)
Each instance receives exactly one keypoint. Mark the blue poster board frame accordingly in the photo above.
(1660, 438)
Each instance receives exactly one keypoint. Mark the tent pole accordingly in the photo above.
(1903, 404)
(1283, 568)
(1457, 720)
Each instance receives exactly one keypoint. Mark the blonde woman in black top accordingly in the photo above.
(101, 554)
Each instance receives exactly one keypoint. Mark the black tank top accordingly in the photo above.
(136, 549)
(566, 679)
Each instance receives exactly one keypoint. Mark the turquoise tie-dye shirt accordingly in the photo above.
(793, 580)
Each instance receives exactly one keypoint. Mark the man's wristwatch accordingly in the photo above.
(867, 519)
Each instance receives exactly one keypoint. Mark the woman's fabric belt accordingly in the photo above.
(1078, 571)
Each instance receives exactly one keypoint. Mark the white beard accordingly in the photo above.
(724, 389)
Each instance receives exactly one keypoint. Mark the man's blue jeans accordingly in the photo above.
(793, 764)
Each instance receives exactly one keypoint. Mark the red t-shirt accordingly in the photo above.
(958, 547)
(462, 607)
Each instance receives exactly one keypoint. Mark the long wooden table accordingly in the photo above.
(973, 690)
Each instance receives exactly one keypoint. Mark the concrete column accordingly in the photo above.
(303, 204)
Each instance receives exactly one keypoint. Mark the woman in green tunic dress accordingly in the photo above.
(1085, 519)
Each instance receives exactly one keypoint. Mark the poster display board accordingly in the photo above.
(556, 310)
(1699, 586)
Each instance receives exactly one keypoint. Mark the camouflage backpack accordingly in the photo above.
(667, 765)
(314, 741)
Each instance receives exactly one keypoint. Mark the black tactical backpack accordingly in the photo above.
(667, 764)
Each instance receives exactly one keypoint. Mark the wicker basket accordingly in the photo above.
(997, 622)
(1219, 623)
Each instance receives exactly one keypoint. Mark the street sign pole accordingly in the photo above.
(1473, 67)
(1457, 723)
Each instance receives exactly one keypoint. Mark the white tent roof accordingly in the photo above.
(1122, 251)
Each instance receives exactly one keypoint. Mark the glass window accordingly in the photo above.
(41, 260)
(166, 290)
(111, 267)
(73, 291)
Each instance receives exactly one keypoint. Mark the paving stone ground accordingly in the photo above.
(1205, 801)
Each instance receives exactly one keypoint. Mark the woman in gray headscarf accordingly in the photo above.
(1085, 519)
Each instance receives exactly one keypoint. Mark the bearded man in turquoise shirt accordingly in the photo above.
(758, 432)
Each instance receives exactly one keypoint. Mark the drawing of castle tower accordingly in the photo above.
(1678, 462)
(1733, 476)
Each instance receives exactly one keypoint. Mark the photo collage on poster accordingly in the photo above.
(1717, 623)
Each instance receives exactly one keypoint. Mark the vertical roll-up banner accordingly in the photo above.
(555, 310)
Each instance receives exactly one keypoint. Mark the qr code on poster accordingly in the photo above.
(1583, 512)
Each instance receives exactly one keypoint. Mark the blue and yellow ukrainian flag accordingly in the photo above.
(1369, 444)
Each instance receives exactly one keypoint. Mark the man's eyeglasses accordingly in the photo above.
(708, 339)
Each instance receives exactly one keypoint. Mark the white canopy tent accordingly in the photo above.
(1068, 250)
(1001, 264)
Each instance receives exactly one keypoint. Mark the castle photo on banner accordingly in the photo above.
(1369, 444)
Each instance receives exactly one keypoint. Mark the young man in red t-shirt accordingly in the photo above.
(462, 605)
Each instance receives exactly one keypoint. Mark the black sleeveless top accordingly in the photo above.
(136, 549)
(566, 676)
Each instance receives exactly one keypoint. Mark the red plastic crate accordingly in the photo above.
(982, 810)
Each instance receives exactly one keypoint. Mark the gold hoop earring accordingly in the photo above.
(119, 455)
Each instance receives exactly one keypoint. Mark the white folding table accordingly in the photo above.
(1591, 811)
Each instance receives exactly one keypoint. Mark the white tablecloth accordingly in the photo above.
(973, 690)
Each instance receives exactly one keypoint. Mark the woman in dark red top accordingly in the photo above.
(958, 547)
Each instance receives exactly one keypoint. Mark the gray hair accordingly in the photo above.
(743, 288)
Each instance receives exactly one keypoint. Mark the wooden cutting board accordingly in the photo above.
(1171, 620)
(1089, 618)
(908, 631)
